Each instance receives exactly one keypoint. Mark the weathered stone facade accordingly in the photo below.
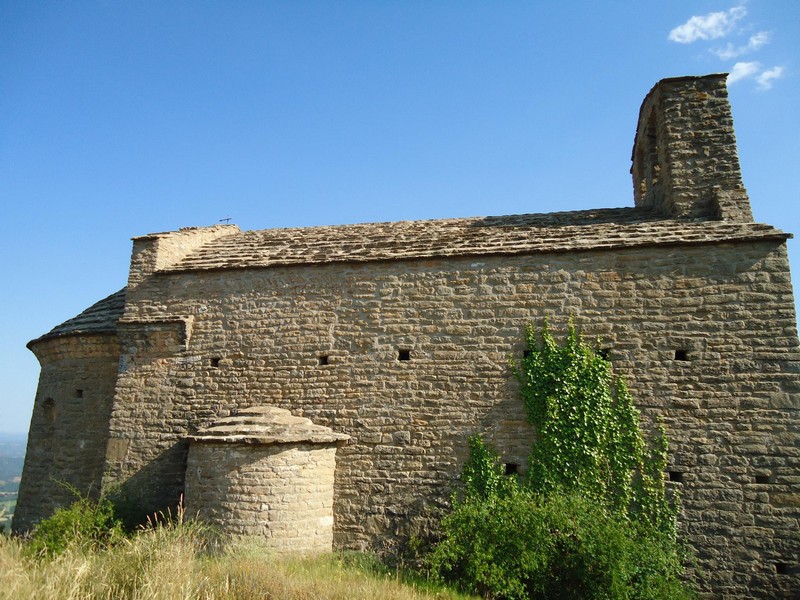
(399, 335)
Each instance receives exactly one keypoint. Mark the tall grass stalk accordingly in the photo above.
(174, 562)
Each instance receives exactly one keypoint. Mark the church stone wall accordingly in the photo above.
(69, 425)
(705, 335)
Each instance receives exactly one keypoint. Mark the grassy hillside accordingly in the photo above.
(12, 455)
(178, 561)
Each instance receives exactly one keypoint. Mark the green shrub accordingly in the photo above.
(84, 525)
(524, 544)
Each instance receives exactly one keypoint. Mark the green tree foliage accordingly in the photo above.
(592, 519)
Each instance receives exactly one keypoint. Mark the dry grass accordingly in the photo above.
(173, 563)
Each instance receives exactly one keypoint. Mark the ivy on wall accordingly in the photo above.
(588, 437)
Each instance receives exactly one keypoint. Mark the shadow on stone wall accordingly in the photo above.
(155, 490)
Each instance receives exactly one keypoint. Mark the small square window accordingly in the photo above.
(215, 362)
(763, 479)
(79, 393)
(323, 360)
(681, 355)
(404, 355)
(511, 468)
(676, 476)
(526, 353)
(782, 568)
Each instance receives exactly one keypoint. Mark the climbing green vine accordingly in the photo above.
(588, 437)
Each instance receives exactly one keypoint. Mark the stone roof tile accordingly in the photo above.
(267, 425)
(100, 317)
(515, 234)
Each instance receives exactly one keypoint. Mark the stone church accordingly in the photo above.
(317, 386)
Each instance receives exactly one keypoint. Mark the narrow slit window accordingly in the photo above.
(323, 360)
(682, 355)
(404, 355)
(49, 410)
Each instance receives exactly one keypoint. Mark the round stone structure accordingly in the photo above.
(265, 474)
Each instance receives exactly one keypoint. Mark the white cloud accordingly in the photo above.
(709, 27)
(743, 70)
(766, 78)
(758, 40)
(754, 43)
(715, 25)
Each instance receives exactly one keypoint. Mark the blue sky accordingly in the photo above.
(124, 118)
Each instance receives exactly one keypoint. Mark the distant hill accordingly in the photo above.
(12, 455)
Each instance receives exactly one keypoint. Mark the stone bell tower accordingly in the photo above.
(685, 162)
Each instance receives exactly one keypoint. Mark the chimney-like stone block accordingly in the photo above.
(157, 251)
